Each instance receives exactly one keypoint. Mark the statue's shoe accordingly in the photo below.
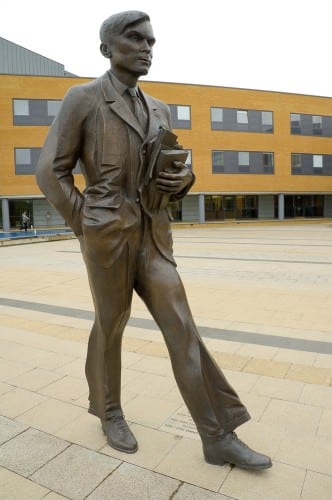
(230, 449)
(118, 433)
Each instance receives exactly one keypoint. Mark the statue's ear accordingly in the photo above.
(105, 50)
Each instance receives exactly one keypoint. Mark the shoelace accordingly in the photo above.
(120, 421)
(234, 436)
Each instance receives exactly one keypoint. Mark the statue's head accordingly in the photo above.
(127, 40)
(116, 24)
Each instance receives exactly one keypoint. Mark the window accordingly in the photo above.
(243, 157)
(242, 117)
(309, 125)
(309, 164)
(218, 158)
(38, 112)
(180, 116)
(251, 120)
(21, 107)
(317, 161)
(242, 162)
(268, 159)
(296, 161)
(22, 156)
(26, 160)
(295, 123)
(217, 115)
(317, 125)
(267, 118)
(53, 108)
(183, 113)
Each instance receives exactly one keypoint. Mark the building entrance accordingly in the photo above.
(304, 206)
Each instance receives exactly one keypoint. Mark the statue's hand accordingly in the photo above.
(174, 181)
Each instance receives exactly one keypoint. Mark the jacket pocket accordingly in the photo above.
(111, 158)
(97, 201)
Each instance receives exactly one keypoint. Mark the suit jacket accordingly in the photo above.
(96, 128)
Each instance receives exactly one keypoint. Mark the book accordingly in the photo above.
(163, 151)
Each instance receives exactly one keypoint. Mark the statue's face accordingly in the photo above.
(131, 52)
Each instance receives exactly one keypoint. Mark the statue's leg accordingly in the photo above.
(212, 402)
(111, 290)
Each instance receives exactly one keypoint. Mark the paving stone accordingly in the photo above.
(51, 415)
(281, 482)
(85, 431)
(292, 417)
(323, 361)
(186, 463)
(129, 482)
(312, 453)
(256, 404)
(149, 384)
(154, 365)
(10, 428)
(293, 356)
(190, 492)
(18, 401)
(66, 389)
(153, 446)
(310, 374)
(231, 361)
(76, 472)
(74, 368)
(216, 345)
(15, 487)
(278, 388)
(54, 496)
(11, 369)
(317, 486)
(261, 437)
(317, 395)
(241, 381)
(129, 358)
(148, 411)
(35, 379)
(132, 344)
(325, 425)
(155, 349)
(5, 388)
(174, 395)
(127, 375)
(30, 450)
(267, 367)
(257, 351)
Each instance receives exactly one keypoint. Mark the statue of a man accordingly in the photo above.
(122, 223)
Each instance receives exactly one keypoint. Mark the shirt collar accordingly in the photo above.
(120, 87)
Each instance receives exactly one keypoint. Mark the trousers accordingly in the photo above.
(213, 404)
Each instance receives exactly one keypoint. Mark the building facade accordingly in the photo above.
(256, 154)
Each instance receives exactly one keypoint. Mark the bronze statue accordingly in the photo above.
(121, 220)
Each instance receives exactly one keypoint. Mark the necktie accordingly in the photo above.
(138, 107)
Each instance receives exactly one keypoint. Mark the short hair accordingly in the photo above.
(117, 23)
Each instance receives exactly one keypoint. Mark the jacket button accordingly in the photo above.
(137, 200)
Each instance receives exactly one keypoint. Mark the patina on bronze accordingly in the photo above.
(122, 222)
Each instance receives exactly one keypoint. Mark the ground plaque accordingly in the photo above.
(182, 424)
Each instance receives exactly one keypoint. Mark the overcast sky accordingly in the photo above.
(256, 44)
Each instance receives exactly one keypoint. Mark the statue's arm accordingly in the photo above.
(59, 157)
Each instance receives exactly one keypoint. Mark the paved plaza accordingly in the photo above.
(261, 297)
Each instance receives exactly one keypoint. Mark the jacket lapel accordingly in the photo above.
(118, 105)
